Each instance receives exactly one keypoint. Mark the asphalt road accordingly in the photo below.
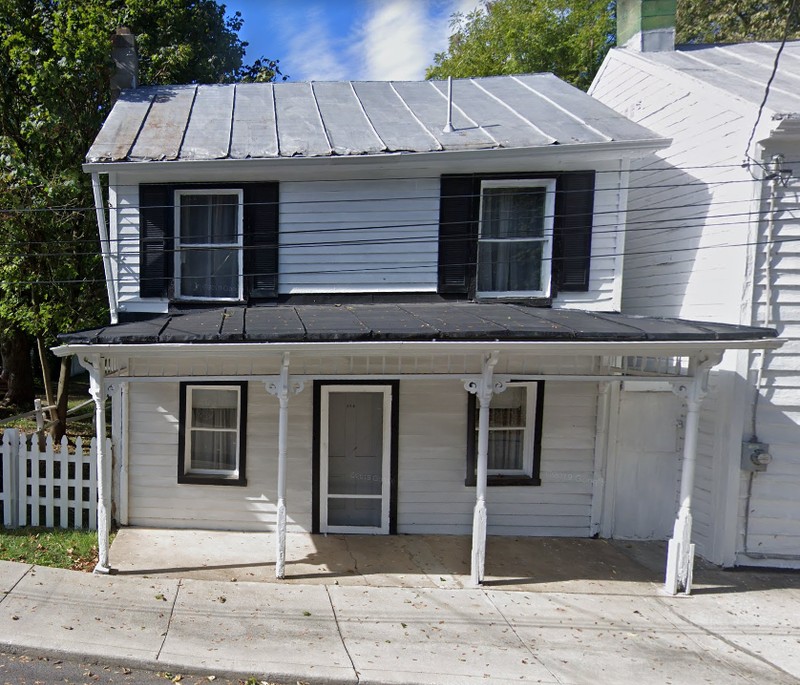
(26, 669)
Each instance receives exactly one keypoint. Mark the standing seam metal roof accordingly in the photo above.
(325, 119)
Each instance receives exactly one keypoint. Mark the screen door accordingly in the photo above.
(355, 445)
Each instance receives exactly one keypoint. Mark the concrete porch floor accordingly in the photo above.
(411, 561)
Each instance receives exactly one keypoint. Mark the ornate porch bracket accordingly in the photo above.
(680, 550)
(484, 388)
(282, 389)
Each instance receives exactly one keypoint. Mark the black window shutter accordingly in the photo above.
(261, 240)
(572, 247)
(155, 239)
(458, 233)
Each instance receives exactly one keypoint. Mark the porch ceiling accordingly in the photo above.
(420, 322)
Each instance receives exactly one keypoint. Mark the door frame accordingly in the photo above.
(316, 457)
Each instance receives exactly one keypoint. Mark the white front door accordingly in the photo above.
(355, 449)
(647, 470)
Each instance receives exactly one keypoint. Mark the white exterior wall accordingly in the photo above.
(326, 226)
(682, 267)
(432, 496)
(770, 517)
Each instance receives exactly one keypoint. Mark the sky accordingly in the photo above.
(324, 40)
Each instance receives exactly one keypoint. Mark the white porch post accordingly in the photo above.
(680, 550)
(282, 389)
(97, 390)
(483, 390)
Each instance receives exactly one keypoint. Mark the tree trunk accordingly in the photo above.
(17, 368)
(44, 362)
(60, 425)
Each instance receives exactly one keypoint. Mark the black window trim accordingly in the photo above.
(260, 221)
(536, 443)
(459, 214)
(198, 479)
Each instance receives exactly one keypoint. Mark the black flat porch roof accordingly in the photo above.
(457, 321)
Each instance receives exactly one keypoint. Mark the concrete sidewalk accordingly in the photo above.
(740, 628)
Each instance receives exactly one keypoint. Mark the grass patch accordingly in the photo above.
(71, 549)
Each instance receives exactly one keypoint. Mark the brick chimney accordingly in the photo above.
(646, 25)
(126, 62)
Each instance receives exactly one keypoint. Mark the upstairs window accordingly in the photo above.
(515, 241)
(208, 254)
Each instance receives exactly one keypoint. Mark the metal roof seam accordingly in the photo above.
(469, 118)
(516, 113)
(563, 109)
(532, 312)
(186, 127)
(439, 146)
(275, 119)
(759, 83)
(141, 126)
(233, 118)
(321, 120)
(372, 128)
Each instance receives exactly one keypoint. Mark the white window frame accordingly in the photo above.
(528, 430)
(188, 429)
(549, 184)
(238, 245)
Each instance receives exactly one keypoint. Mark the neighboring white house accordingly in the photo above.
(714, 223)
(375, 307)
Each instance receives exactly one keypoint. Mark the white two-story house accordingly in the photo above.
(382, 307)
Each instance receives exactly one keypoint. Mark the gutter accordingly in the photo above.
(105, 247)
(397, 158)
(543, 348)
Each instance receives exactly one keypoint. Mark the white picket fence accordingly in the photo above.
(54, 487)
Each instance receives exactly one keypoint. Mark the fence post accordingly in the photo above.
(10, 478)
(22, 480)
(37, 408)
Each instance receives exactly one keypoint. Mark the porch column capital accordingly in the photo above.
(283, 387)
(487, 385)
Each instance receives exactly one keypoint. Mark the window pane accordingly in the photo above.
(354, 512)
(210, 272)
(513, 212)
(505, 449)
(209, 219)
(213, 450)
(510, 267)
(213, 408)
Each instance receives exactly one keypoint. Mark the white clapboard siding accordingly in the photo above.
(366, 236)
(679, 214)
(437, 501)
(432, 496)
(357, 236)
(156, 498)
(773, 516)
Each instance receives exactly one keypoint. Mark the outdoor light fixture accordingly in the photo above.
(777, 170)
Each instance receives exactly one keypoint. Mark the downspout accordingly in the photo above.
(105, 246)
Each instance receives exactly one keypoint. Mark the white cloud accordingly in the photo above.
(399, 37)
(313, 53)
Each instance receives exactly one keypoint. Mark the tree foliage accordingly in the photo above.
(55, 61)
(735, 21)
(566, 37)
(571, 37)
